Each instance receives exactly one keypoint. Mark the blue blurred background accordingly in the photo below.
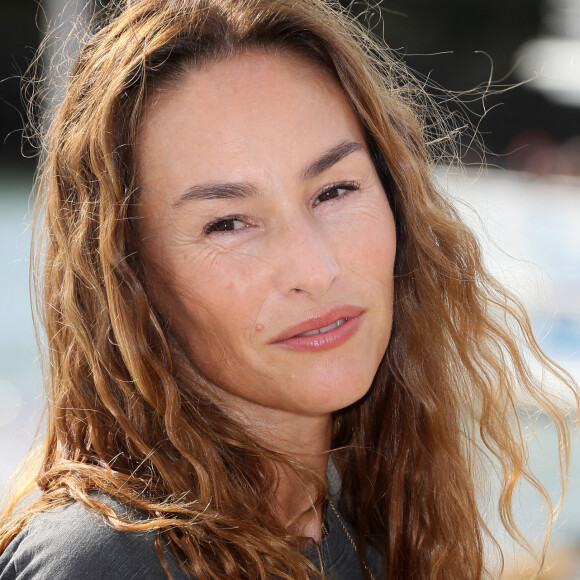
(525, 205)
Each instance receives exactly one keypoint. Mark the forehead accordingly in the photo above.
(252, 108)
(238, 71)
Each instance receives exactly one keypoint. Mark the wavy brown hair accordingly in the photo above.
(126, 410)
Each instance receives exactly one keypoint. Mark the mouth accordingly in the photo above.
(322, 331)
(324, 328)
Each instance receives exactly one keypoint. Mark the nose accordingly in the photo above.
(306, 259)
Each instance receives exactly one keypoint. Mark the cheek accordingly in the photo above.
(369, 247)
(226, 283)
(217, 301)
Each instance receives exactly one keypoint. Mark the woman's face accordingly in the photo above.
(263, 221)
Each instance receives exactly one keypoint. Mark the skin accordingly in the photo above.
(292, 247)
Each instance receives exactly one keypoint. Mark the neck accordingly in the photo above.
(308, 442)
(302, 438)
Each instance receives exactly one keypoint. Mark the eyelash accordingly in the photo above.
(220, 225)
(347, 185)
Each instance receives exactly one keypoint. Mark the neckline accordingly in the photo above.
(333, 543)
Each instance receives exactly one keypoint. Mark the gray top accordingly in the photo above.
(71, 542)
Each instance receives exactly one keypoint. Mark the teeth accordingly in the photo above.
(324, 328)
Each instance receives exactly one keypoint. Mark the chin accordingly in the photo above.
(339, 392)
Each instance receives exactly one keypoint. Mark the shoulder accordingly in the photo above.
(71, 542)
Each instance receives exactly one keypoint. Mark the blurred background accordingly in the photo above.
(515, 70)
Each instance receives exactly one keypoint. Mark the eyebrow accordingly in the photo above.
(243, 189)
(330, 158)
(217, 190)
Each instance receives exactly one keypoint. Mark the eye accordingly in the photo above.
(335, 190)
(226, 224)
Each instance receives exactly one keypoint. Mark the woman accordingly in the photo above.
(271, 343)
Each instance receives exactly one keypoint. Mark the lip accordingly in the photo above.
(289, 337)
